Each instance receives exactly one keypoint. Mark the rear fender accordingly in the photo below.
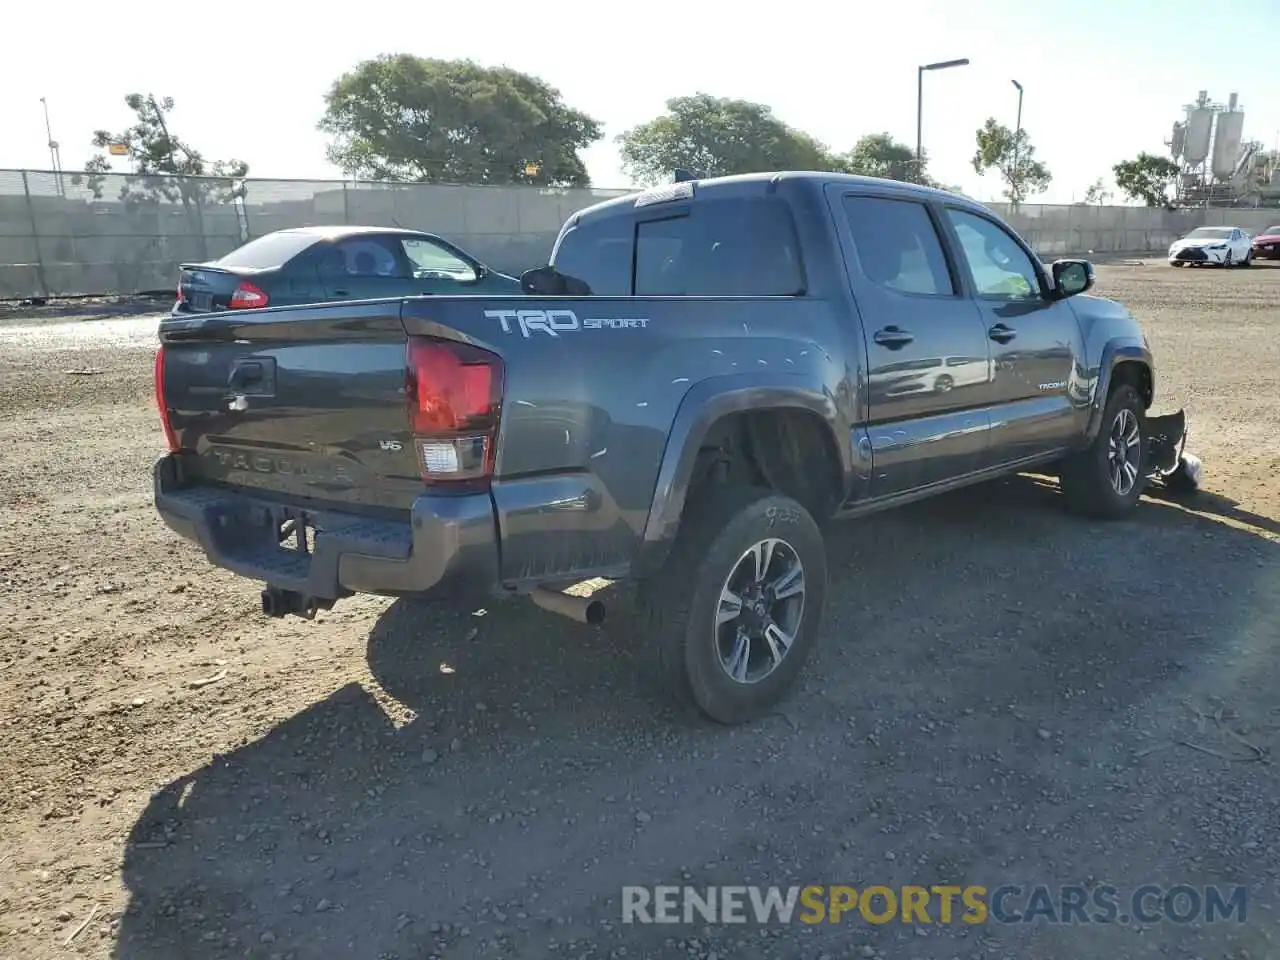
(702, 407)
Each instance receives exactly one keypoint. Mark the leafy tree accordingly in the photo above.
(1097, 195)
(161, 162)
(405, 118)
(879, 155)
(1013, 157)
(717, 137)
(1147, 177)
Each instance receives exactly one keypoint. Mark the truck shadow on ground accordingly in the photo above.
(988, 669)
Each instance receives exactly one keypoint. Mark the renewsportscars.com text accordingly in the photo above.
(941, 904)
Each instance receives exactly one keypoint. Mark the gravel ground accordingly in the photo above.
(1004, 694)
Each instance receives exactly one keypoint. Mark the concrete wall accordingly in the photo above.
(69, 234)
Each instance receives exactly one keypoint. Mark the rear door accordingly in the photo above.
(926, 425)
(1035, 341)
(367, 266)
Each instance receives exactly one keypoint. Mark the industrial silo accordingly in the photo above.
(1199, 129)
(1226, 141)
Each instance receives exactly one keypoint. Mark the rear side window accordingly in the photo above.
(721, 248)
(598, 253)
(272, 250)
(898, 246)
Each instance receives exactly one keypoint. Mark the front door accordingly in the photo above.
(928, 362)
(1035, 342)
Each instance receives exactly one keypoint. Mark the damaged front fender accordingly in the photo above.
(1167, 459)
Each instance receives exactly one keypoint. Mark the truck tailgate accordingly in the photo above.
(297, 403)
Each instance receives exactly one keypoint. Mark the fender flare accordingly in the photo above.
(702, 407)
(1116, 351)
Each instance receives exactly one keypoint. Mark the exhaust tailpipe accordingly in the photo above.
(587, 610)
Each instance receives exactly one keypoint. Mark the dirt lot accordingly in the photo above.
(1004, 695)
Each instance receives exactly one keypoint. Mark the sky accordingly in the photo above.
(1102, 81)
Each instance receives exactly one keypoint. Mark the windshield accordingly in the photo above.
(1271, 231)
(272, 250)
(1210, 233)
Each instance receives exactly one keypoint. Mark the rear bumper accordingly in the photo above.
(448, 542)
(1267, 251)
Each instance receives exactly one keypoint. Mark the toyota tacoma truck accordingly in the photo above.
(705, 374)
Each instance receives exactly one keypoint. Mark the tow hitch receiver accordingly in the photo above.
(282, 603)
(1167, 459)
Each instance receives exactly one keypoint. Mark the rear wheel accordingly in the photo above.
(1248, 260)
(734, 612)
(1106, 479)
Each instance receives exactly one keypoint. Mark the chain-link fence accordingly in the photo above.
(71, 234)
(67, 234)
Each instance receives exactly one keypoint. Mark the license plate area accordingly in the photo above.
(202, 301)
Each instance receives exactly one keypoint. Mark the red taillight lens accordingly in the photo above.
(454, 395)
(170, 438)
(247, 296)
(181, 298)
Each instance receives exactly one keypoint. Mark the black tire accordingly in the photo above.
(1248, 260)
(1086, 476)
(678, 605)
(1179, 263)
(1227, 264)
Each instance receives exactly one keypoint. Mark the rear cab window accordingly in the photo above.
(268, 252)
(739, 246)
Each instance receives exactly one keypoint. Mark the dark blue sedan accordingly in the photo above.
(317, 264)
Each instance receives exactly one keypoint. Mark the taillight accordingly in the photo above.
(170, 438)
(454, 395)
(247, 296)
(181, 298)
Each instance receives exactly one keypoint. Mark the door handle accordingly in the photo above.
(1001, 333)
(892, 337)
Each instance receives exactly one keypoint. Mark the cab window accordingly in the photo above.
(998, 266)
(745, 247)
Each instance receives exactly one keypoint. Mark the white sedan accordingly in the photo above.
(1220, 246)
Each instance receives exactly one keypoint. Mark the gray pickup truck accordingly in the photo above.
(706, 372)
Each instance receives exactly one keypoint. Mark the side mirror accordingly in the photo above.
(547, 282)
(1071, 277)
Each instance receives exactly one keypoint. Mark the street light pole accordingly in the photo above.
(54, 154)
(940, 65)
(1017, 135)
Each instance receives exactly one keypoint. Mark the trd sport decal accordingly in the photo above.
(555, 322)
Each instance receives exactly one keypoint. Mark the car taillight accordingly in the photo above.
(181, 298)
(454, 395)
(170, 438)
(248, 297)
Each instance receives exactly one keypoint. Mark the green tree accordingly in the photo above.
(1147, 177)
(717, 137)
(161, 163)
(1097, 195)
(1013, 157)
(400, 117)
(879, 155)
